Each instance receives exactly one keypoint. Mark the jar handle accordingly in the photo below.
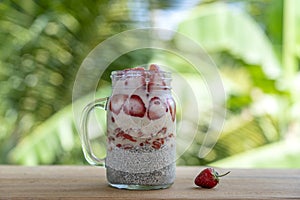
(86, 145)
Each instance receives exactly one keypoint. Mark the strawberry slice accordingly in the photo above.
(162, 131)
(116, 102)
(154, 67)
(157, 108)
(125, 136)
(172, 107)
(134, 106)
(156, 144)
(155, 79)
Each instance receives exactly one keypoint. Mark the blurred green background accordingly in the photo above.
(255, 44)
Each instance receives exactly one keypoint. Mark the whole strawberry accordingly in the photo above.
(208, 178)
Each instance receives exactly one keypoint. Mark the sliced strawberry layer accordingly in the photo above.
(134, 106)
(124, 139)
(156, 109)
(116, 102)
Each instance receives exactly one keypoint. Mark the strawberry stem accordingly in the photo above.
(224, 174)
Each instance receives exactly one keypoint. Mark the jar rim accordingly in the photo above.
(138, 73)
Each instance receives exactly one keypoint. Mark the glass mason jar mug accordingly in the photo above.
(141, 126)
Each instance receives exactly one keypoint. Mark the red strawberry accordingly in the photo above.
(172, 107)
(156, 109)
(135, 106)
(208, 178)
(116, 102)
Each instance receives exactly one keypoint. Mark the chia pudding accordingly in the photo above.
(141, 147)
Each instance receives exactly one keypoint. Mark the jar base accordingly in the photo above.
(140, 187)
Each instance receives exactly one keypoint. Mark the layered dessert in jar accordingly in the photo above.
(141, 125)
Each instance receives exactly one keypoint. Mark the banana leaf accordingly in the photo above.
(219, 27)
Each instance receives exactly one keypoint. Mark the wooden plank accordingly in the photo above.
(85, 182)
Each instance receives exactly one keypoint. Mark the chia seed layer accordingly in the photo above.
(141, 166)
(161, 176)
(140, 159)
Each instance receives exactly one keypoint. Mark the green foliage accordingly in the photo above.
(252, 76)
(42, 46)
(47, 141)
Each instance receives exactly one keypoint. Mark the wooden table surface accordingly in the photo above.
(85, 182)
